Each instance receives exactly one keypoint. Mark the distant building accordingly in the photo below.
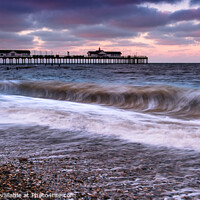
(102, 53)
(14, 53)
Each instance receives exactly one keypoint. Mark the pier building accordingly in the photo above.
(105, 54)
(14, 53)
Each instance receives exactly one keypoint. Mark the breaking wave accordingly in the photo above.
(162, 100)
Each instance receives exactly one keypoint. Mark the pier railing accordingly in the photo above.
(75, 59)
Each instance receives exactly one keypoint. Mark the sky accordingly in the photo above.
(163, 30)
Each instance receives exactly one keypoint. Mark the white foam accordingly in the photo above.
(132, 126)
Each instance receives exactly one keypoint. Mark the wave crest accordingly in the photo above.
(179, 102)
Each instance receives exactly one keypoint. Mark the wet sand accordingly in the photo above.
(104, 168)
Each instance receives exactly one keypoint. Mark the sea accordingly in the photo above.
(46, 109)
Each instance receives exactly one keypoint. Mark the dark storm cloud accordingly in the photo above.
(23, 14)
(14, 36)
(24, 6)
(58, 38)
(99, 32)
(195, 2)
(71, 18)
(89, 20)
(62, 44)
(15, 7)
(168, 39)
(55, 36)
(13, 23)
(141, 18)
(184, 27)
(185, 15)
(15, 41)
(188, 31)
(181, 34)
(125, 17)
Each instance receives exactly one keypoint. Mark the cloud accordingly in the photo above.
(74, 23)
(185, 33)
(12, 23)
(14, 41)
(98, 32)
(168, 40)
(195, 2)
(183, 27)
(126, 43)
(55, 36)
(35, 5)
(22, 14)
(52, 39)
(141, 18)
(186, 15)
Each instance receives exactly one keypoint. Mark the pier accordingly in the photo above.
(62, 60)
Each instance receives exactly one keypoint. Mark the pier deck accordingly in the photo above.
(59, 60)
